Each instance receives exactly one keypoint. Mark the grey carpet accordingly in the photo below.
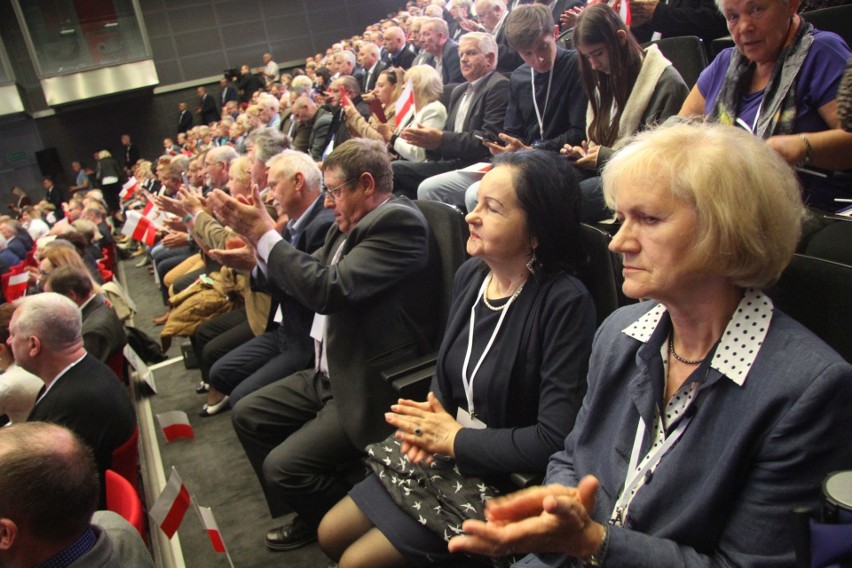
(213, 466)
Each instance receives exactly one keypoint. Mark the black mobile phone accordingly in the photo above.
(488, 137)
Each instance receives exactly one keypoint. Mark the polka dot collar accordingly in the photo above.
(740, 342)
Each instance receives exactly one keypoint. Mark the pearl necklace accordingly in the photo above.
(503, 307)
(678, 357)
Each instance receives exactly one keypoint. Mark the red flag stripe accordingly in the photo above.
(176, 431)
(216, 540)
(175, 515)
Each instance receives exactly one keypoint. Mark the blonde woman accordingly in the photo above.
(427, 87)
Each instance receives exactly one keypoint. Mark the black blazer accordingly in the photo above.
(90, 401)
(405, 57)
(229, 93)
(485, 115)
(184, 121)
(209, 110)
(103, 332)
(450, 65)
(380, 300)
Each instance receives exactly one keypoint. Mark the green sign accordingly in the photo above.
(16, 157)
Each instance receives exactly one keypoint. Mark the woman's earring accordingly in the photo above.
(531, 263)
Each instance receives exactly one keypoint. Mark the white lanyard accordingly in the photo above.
(468, 383)
(538, 114)
(636, 478)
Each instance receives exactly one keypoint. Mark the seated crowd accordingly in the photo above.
(293, 243)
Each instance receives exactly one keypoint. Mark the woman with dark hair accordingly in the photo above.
(628, 90)
(509, 379)
(388, 88)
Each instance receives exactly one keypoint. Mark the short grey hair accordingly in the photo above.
(51, 317)
(484, 42)
(223, 154)
(268, 100)
(292, 162)
(268, 142)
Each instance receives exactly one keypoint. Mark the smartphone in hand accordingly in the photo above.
(376, 109)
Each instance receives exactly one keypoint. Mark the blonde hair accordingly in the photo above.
(240, 168)
(426, 83)
(68, 256)
(747, 200)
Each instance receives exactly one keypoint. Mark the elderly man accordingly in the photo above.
(103, 332)
(269, 106)
(295, 184)
(270, 69)
(371, 285)
(48, 497)
(369, 58)
(492, 16)
(305, 112)
(79, 391)
(400, 53)
(476, 110)
(16, 249)
(217, 162)
(443, 51)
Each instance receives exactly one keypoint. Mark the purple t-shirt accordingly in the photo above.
(816, 86)
(817, 83)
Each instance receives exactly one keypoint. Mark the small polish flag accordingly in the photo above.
(128, 189)
(175, 424)
(405, 104)
(139, 228)
(209, 522)
(170, 507)
(623, 9)
(17, 286)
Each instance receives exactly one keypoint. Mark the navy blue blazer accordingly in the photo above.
(722, 495)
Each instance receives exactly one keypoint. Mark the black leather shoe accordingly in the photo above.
(291, 536)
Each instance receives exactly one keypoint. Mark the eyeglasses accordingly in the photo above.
(334, 193)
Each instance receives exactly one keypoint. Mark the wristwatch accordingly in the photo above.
(596, 560)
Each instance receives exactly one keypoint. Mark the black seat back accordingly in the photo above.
(686, 54)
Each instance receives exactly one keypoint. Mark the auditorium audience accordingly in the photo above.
(729, 412)
(387, 90)
(370, 284)
(521, 327)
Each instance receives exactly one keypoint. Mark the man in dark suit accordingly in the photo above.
(53, 194)
(400, 53)
(295, 188)
(369, 58)
(476, 109)
(103, 332)
(371, 285)
(79, 391)
(248, 84)
(184, 118)
(11, 230)
(228, 92)
(443, 52)
(207, 108)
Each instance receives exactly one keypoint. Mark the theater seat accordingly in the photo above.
(686, 53)
(122, 498)
(125, 459)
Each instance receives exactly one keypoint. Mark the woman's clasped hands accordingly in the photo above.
(424, 428)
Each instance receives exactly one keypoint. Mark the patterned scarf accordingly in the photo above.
(778, 107)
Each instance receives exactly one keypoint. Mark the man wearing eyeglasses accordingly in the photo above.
(372, 286)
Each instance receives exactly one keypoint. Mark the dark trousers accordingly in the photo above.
(292, 436)
(259, 362)
(216, 337)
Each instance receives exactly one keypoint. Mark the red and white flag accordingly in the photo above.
(623, 9)
(405, 104)
(209, 522)
(175, 424)
(128, 189)
(17, 286)
(139, 228)
(170, 507)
